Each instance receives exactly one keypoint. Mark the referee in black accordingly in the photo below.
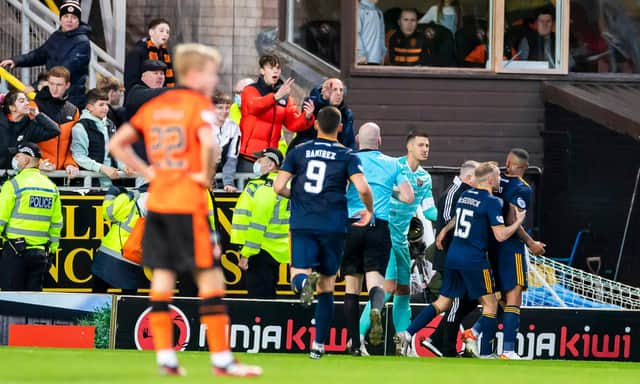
(443, 340)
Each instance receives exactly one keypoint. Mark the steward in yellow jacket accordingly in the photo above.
(261, 226)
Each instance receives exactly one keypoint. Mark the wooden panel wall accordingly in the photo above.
(466, 118)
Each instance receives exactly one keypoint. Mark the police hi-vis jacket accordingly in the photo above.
(30, 209)
(261, 220)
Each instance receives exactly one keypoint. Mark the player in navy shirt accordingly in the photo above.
(508, 260)
(320, 171)
(467, 270)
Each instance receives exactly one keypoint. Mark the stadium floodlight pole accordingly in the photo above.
(626, 227)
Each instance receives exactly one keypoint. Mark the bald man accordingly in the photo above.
(234, 112)
(367, 248)
(330, 92)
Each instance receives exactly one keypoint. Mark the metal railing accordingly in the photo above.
(38, 22)
(89, 179)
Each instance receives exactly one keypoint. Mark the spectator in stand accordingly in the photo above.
(149, 85)
(266, 107)
(370, 44)
(68, 47)
(41, 82)
(22, 123)
(228, 136)
(90, 138)
(114, 90)
(152, 47)
(330, 92)
(439, 47)
(52, 100)
(405, 45)
(540, 45)
(447, 13)
(235, 113)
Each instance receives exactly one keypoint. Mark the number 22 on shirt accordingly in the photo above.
(316, 171)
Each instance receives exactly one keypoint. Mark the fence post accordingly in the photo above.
(26, 47)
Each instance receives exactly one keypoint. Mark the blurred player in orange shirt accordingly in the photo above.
(176, 127)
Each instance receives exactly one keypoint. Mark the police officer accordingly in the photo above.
(30, 222)
(261, 225)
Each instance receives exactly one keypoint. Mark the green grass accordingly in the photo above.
(34, 365)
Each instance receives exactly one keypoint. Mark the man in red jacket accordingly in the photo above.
(266, 107)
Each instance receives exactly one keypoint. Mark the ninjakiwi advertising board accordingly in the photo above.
(286, 326)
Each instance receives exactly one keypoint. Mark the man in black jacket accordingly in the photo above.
(68, 47)
(443, 340)
(149, 86)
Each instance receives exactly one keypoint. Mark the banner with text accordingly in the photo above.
(286, 326)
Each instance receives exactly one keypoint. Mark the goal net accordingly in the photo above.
(553, 284)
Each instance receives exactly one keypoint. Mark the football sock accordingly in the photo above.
(401, 312)
(365, 317)
(324, 314)
(376, 297)
(213, 314)
(488, 324)
(511, 323)
(160, 321)
(351, 312)
(298, 282)
(423, 318)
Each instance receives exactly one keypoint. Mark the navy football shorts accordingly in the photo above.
(473, 283)
(509, 265)
(319, 250)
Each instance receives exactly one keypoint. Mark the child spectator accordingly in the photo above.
(228, 135)
(152, 47)
(90, 138)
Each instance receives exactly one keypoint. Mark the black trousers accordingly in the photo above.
(262, 276)
(446, 335)
(24, 271)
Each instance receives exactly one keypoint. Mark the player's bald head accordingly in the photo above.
(242, 83)
(369, 136)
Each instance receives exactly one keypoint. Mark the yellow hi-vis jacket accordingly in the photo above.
(30, 209)
(261, 220)
(121, 210)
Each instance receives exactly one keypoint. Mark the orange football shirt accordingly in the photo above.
(169, 124)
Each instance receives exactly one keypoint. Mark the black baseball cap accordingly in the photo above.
(272, 154)
(30, 149)
(153, 65)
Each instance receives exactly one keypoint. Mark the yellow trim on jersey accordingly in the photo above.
(523, 180)
(519, 270)
(487, 280)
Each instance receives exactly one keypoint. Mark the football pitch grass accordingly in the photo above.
(74, 366)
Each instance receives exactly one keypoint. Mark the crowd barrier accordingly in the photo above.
(284, 326)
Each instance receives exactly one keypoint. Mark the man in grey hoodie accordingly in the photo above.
(370, 44)
(90, 138)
